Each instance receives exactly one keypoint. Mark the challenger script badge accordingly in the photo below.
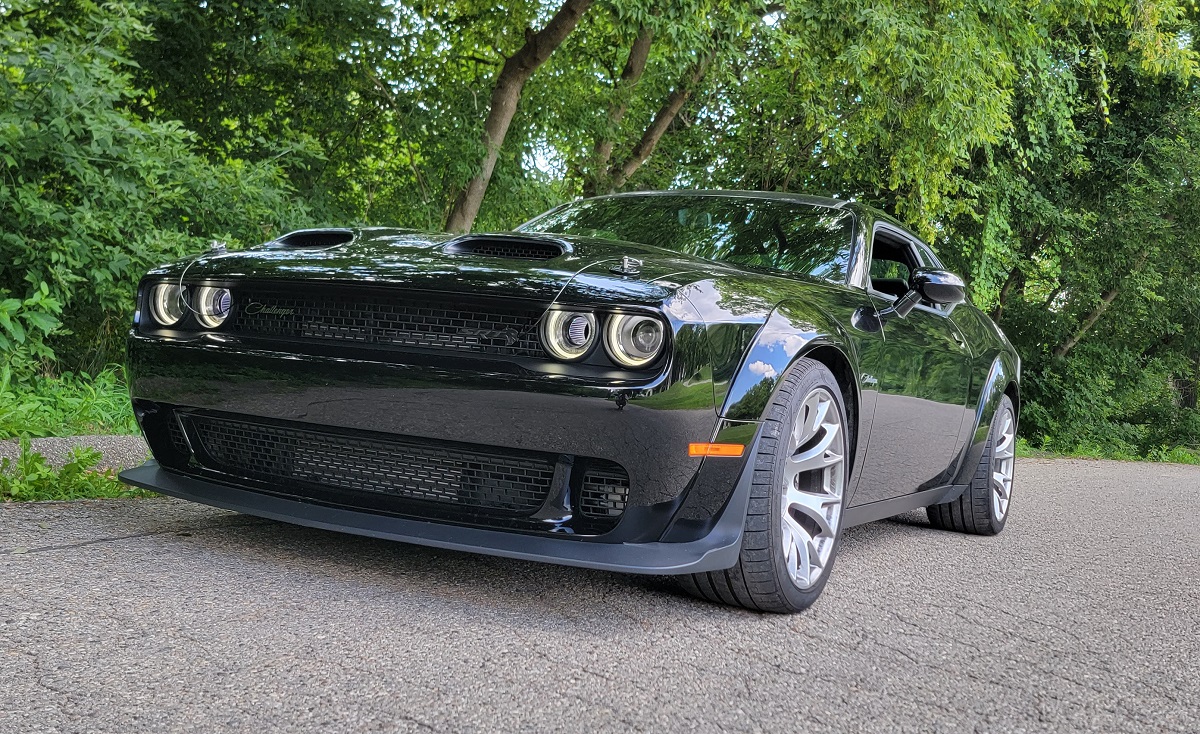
(254, 308)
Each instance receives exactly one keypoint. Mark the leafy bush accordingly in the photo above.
(72, 404)
(92, 194)
(30, 478)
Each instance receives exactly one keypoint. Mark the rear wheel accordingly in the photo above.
(983, 508)
(794, 519)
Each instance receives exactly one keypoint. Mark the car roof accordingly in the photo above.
(863, 211)
(822, 201)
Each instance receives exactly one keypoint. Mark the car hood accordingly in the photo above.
(445, 263)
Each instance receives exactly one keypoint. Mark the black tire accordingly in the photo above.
(760, 581)
(974, 512)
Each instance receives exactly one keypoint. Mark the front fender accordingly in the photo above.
(1002, 373)
(792, 330)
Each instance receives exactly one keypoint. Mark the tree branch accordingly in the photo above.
(635, 64)
(1106, 300)
(505, 95)
(662, 120)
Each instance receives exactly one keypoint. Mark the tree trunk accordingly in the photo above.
(658, 126)
(505, 95)
(1106, 300)
(1014, 276)
(1189, 385)
(630, 75)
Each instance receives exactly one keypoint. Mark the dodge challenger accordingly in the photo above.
(705, 384)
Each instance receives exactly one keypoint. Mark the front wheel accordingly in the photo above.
(794, 519)
(983, 508)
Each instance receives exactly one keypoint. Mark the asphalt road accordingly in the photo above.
(157, 615)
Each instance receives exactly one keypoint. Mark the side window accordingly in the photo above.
(892, 262)
(927, 256)
(889, 269)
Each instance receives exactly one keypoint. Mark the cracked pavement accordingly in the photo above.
(159, 615)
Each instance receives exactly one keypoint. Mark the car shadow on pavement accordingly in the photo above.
(258, 546)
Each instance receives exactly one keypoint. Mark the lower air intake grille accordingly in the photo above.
(399, 469)
(605, 491)
(388, 322)
(176, 433)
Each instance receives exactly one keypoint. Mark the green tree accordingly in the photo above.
(91, 194)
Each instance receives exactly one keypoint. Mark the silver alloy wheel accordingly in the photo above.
(814, 482)
(1002, 465)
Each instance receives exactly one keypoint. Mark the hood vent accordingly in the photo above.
(314, 238)
(522, 248)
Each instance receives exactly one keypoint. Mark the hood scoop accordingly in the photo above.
(313, 239)
(507, 246)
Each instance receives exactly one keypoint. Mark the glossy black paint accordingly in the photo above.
(939, 286)
(920, 389)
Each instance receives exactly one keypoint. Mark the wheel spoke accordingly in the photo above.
(796, 549)
(1004, 448)
(819, 456)
(1003, 464)
(814, 481)
(813, 505)
(818, 417)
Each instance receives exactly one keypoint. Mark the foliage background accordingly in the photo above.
(1049, 151)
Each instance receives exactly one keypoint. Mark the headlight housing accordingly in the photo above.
(634, 340)
(212, 306)
(569, 335)
(166, 304)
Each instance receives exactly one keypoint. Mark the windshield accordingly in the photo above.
(760, 233)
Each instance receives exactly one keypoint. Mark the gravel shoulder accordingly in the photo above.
(159, 615)
(119, 452)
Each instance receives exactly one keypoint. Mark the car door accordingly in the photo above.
(921, 370)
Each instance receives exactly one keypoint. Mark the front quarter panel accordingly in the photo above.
(795, 329)
(996, 368)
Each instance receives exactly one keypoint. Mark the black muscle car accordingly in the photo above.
(699, 383)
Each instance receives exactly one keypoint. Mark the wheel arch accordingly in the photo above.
(793, 332)
(1002, 380)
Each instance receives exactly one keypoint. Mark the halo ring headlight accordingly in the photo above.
(166, 304)
(212, 306)
(568, 335)
(634, 340)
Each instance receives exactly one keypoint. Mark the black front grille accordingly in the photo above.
(399, 469)
(386, 321)
(605, 491)
(176, 434)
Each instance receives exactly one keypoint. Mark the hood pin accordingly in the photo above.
(628, 266)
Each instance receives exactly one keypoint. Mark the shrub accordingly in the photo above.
(30, 478)
(92, 194)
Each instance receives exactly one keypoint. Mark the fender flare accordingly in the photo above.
(791, 331)
(1002, 373)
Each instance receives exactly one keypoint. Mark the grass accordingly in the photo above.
(29, 478)
(70, 405)
(1176, 455)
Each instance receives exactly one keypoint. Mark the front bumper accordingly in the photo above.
(676, 504)
(718, 549)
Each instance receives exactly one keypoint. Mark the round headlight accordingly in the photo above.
(212, 306)
(568, 335)
(633, 340)
(166, 304)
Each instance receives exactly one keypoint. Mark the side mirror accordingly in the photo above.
(938, 286)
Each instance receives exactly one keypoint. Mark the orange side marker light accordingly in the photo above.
(716, 449)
